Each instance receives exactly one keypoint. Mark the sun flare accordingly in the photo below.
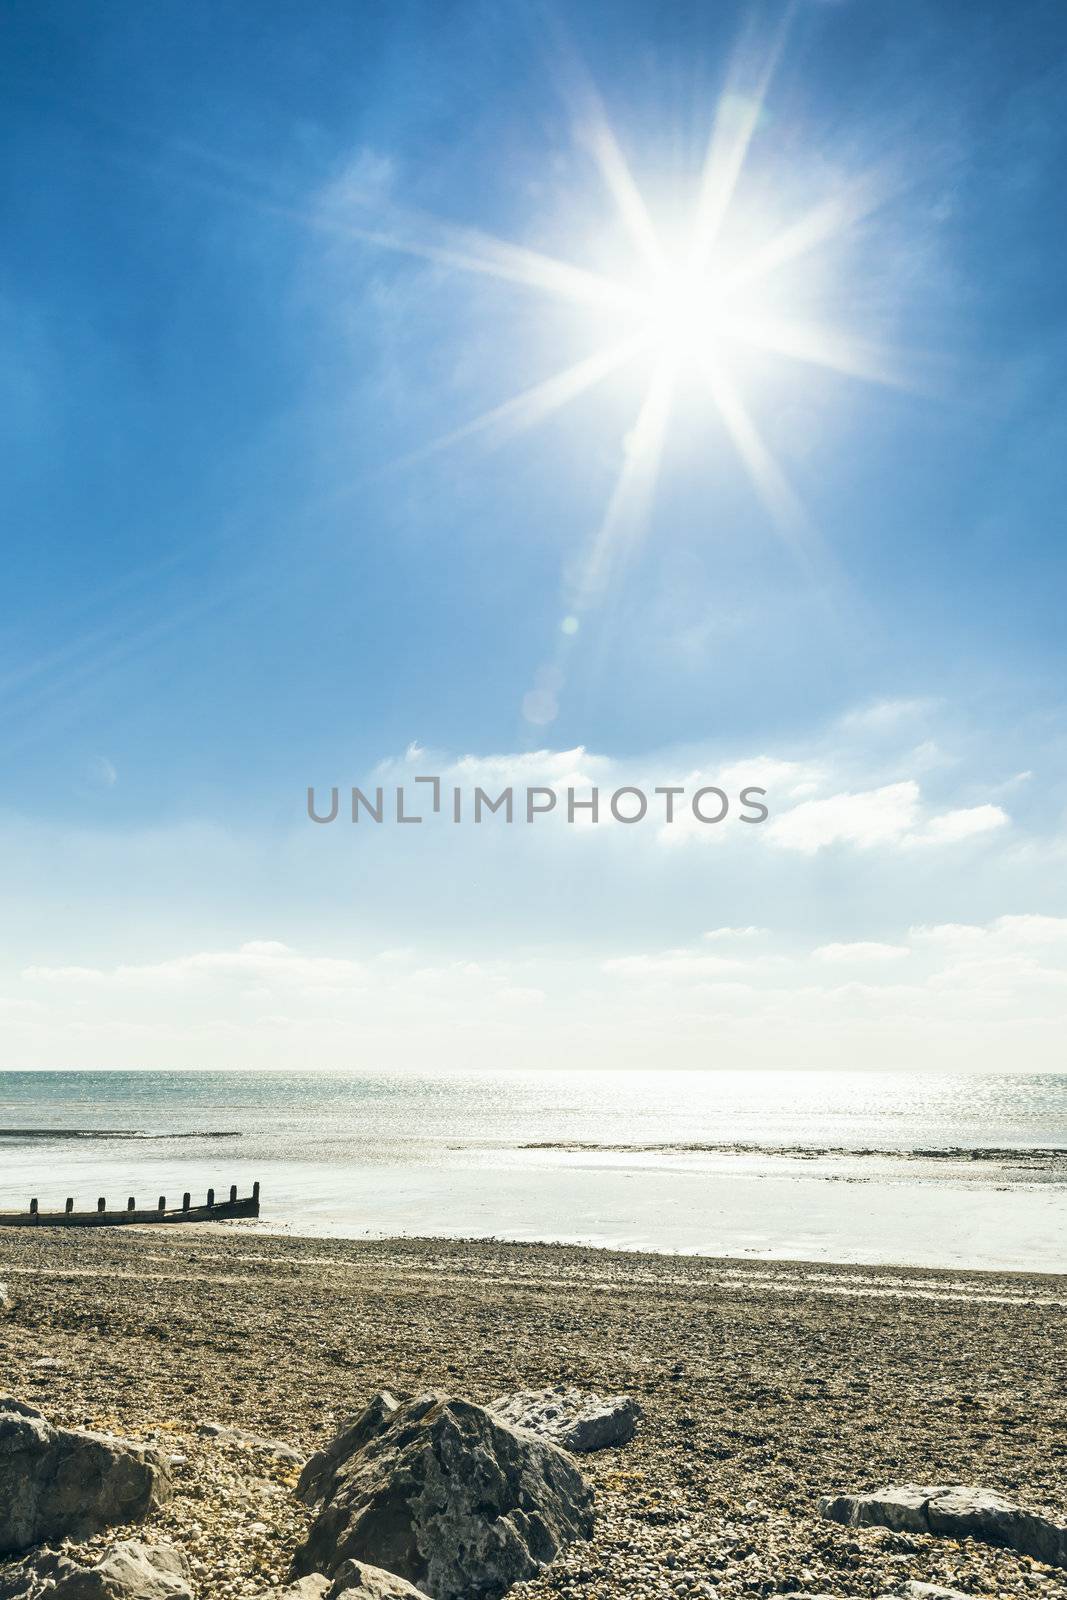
(684, 313)
(688, 310)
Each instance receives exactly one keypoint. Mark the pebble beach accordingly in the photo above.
(763, 1385)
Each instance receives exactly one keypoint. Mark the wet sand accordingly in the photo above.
(764, 1385)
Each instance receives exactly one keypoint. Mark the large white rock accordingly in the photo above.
(128, 1571)
(569, 1418)
(444, 1494)
(355, 1580)
(58, 1483)
(956, 1511)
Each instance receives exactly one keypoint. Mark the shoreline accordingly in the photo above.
(712, 1258)
(178, 1233)
(764, 1384)
(340, 1235)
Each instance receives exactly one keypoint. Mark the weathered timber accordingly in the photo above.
(213, 1211)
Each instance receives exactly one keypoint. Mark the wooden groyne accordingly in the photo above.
(212, 1211)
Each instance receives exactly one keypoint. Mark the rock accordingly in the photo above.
(255, 1441)
(956, 1511)
(131, 1571)
(573, 1420)
(317, 1478)
(444, 1494)
(353, 1578)
(58, 1483)
(313, 1587)
(128, 1571)
(6, 1301)
(34, 1575)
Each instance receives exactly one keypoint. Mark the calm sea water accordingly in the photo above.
(912, 1168)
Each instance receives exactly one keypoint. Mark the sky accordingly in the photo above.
(558, 396)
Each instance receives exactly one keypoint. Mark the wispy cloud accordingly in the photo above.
(971, 989)
(861, 950)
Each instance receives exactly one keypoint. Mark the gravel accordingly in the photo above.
(763, 1386)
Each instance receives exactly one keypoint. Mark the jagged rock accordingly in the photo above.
(444, 1494)
(128, 1571)
(355, 1580)
(58, 1483)
(255, 1441)
(573, 1420)
(956, 1511)
(318, 1476)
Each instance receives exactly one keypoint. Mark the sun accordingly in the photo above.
(687, 310)
(684, 314)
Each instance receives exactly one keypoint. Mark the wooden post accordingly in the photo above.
(70, 1206)
(233, 1194)
(186, 1198)
(33, 1208)
(101, 1204)
(211, 1197)
(162, 1202)
(131, 1204)
(255, 1191)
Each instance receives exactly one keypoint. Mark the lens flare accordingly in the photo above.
(688, 309)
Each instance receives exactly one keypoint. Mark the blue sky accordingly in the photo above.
(237, 323)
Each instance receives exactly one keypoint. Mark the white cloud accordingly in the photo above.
(860, 950)
(878, 816)
(264, 961)
(674, 964)
(811, 808)
(1013, 932)
(537, 971)
(884, 715)
(974, 995)
(953, 826)
(263, 968)
(889, 816)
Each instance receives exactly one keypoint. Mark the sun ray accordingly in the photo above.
(535, 404)
(767, 477)
(469, 250)
(737, 116)
(620, 183)
(832, 216)
(627, 508)
(594, 132)
(681, 296)
(820, 347)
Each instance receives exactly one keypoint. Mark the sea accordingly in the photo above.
(909, 1168)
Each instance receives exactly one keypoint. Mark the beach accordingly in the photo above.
(763, 1385)
(939, 1170)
